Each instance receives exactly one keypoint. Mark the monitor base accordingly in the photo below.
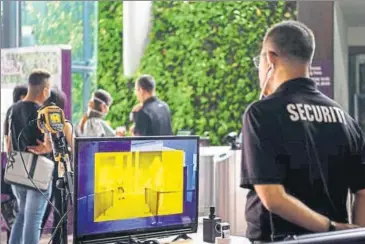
(181, 237)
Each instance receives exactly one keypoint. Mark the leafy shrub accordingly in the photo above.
(110, 62)
(201, 56)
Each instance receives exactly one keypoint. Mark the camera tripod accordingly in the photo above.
(64, 183)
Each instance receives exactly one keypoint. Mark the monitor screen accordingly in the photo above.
(135, 185)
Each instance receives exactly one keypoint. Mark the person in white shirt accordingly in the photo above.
(93, 123)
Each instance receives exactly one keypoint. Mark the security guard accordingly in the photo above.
(152, 117)
(301, 151)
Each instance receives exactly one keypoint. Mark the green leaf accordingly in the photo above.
(200, 54)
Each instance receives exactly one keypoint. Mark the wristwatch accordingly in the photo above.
(332, 226)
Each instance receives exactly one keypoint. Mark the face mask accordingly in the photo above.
(268, 77)
(47, 95)
(89, 110)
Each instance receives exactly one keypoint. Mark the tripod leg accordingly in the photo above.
(64, 224)
(63, 207)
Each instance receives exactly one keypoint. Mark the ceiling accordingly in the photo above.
(354, 11)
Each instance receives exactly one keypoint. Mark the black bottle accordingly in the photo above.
(210, 230)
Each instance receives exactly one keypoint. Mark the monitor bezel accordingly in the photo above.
(160, 231)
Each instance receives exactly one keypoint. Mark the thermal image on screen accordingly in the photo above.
(146, 183)
(135, 184)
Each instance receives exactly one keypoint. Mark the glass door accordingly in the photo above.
(74, 23)
(359, 96)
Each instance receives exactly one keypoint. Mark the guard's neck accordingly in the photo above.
(146, 97)
(283, 76)
(36, 100)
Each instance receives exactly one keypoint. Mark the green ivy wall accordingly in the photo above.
(201, 56)
(110, 61)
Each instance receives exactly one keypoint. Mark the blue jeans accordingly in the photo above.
(31, 209)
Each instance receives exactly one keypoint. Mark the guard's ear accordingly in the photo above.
(271, 58)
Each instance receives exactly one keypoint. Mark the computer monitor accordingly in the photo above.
(145, 187)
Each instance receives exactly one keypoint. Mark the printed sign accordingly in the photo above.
(18, 63)
(322, 74)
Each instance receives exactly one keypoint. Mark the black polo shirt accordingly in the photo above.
(303, 140)
(22, 113)
(153, 119)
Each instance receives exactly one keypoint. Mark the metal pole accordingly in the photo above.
(86, 55)
(18, 23)
(11, 22)
(1, 25)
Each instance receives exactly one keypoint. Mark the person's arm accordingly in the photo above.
(6, 132)
(7, 144)
(137, 108)
(356, 176)
(108, 130)
(265, 170)
(132, 115)
(141, 124)
(68, 134)
(277, 201)
(359, 208)
(120, 131)
(43, 147)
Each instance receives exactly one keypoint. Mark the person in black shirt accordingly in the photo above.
(31, 203)
(153, 117)
(19, 92)
(301, 151)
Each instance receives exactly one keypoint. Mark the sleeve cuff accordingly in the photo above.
(249, 183)
(356, 188)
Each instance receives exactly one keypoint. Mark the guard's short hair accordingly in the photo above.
(292, 39)
(37, 81)
(18, 92)
(147, 83)
(38, 77)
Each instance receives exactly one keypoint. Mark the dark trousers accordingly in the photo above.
(6, 190)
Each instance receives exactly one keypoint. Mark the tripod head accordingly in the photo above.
(51, 120)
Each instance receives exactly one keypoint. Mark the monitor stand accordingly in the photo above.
(133, 240)
(181, 237)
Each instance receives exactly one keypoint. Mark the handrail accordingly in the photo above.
(344, 236)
